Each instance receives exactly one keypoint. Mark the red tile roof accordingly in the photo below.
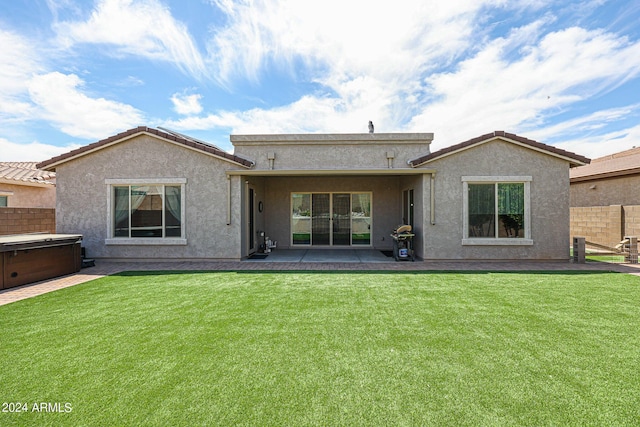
(25, 172)
(575, 159)
(618, 164)
(179, 139)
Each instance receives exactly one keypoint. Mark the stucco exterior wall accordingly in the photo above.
(82, 205)
(350, 151)
(549, 202)
(26, 196)
(604, 192)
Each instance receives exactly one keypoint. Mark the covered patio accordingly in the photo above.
(325, 255)
(349, 215)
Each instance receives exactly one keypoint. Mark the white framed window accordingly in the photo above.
(497, 210)
(146, 212)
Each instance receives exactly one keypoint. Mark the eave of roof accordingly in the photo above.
(25, 173)
(52, 163)
(573, 158)
(623, 163)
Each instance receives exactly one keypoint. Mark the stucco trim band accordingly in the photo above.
(328, 172)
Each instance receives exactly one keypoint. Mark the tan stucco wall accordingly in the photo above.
(549, 202)
(328, 151)
(83, 196)
(605, 192)
(25, 196)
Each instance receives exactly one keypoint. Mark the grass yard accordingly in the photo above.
(330, 349)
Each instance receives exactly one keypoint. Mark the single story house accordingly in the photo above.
(605, 201)
(156, 194)
(22, 185)
(27, 199)
(609, 180)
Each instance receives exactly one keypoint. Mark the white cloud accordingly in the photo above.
(309, 114)
(585, 125)
(18, 59)
(61, 102)
(345, 38)
(369, 59)
(31, 152)
(420, 66)
(594, 146)
(143, 28)
(186, 104)
(489, 92)
(382, 65)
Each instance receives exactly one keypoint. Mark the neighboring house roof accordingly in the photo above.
(172, 137)
(572, 158)
(25, 173)
(618, 164)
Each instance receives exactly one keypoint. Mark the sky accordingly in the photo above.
(565, 73)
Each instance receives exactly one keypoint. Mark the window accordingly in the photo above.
(144, 213)
(496, 211)
(4, 201)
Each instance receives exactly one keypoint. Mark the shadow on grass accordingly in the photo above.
(363, 272)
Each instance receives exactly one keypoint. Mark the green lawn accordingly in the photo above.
(347, 349)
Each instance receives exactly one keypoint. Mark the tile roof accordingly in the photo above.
(173, 137)
(617, 164)
(575, 159)
(25, 172)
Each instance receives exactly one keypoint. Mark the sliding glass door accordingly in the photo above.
(341, 226)
(361, 219)
(331, 219)
(320, 219)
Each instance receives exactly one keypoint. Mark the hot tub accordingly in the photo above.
(28, 258)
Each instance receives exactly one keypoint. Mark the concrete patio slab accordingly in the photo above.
(324, 255)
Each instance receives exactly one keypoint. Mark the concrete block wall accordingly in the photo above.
(605, 225)
(631, 220)
(27, 220)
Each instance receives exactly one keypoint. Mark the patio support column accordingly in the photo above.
(433, 198)
(228, 200)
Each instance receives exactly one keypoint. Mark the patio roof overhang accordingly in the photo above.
(332, 172)
(328, 172)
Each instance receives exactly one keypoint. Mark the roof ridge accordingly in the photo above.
(502, 134)
(183, 140)
(620, 154)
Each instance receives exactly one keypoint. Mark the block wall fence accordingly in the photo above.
(605, 225)
(27, 220)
